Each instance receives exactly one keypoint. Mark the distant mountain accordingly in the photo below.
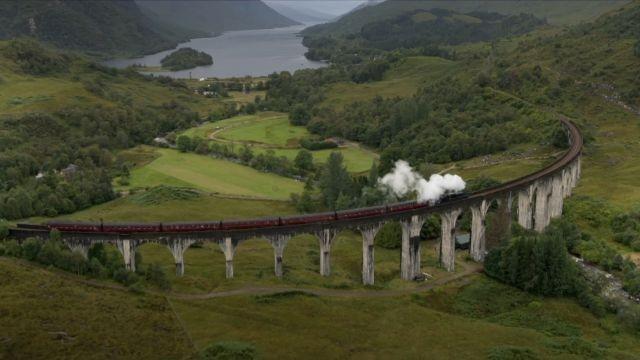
(301, 14)
(215, 16)
(100, 27)
(559, 12)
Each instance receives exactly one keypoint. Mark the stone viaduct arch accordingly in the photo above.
(539, 195)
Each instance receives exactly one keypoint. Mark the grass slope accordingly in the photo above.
(206, 207)
(23, 93)
(46, 315)
(467, 322)
(402, 80)
(174, 168)
(272, 131)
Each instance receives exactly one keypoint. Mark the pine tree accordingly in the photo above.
(334, 180)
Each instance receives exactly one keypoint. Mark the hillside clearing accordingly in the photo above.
(212, 175)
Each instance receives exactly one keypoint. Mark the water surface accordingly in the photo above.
(238, 53)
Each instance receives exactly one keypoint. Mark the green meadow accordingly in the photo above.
(272, 131)
(174, 168)
(206, 207)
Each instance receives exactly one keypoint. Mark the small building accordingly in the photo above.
(70, 171)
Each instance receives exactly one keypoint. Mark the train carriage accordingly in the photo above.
(250, 224)
(308, 219)
(191, 226)
(69, 226)
(361, 212)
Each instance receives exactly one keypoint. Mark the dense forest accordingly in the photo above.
(450, 120)
(427, 30)
(186, 58)
(559, 12)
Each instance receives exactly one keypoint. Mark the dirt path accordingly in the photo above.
(469, 269)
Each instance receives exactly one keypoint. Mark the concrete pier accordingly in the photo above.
(128, 251)
(410, 256)
(542, 213)
(228, 246)
(278, 242)
(525, 207)
(78, 247)
(556, 201)
(177, 249)
(447, 245)
(325, 239)
(368, 265)
(477, 248)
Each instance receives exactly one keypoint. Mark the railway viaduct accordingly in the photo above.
(539, 197)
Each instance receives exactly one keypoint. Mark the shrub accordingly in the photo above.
(229, 350)
(96, 268)
(299, 115)
(31, 248)
(4, 229)
(156, 276)
(125, 276)
(314, 145)
(50, 253)
(12, 248)
(626, 237)
(390, 236)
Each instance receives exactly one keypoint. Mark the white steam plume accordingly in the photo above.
(403, 180)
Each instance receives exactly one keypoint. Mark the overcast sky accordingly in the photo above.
(333, 7)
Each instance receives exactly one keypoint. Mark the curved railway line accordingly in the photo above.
(540, 197)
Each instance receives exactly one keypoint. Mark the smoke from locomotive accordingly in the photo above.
(403, 180)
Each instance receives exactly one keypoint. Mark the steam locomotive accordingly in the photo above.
(176, 227)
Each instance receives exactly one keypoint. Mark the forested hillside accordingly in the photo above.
(215, 16)
(471, 112)
(426, 30)
(101, 27)
(556, 12)
(62, 117)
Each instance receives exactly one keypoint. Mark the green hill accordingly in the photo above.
(428, 30)
(215, 16)
(58, 110)
(101, 27)
(556, 12)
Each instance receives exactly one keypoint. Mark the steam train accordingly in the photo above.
(177, 227)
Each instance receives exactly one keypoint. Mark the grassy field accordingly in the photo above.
(253, 265)
(611, 166)
(465, 322)
(403, 79)
(206, 207)
(461, 320)
(174, 168)
(272, 131)
(46, 315)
